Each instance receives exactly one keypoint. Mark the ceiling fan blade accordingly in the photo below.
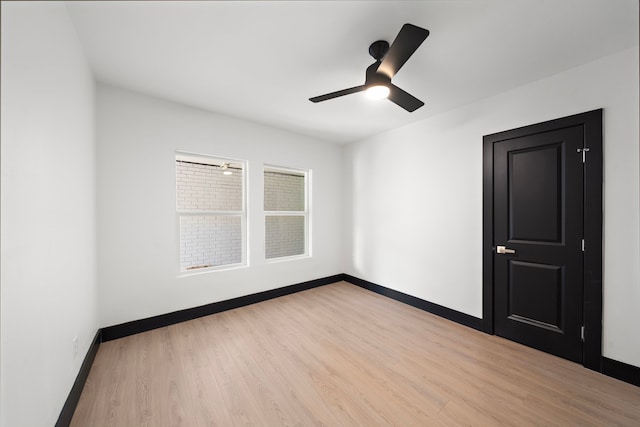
(332, 95)
(407, 41)
(403, 99)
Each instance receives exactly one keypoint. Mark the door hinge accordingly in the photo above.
(584, 153)
(582, 245)
(582, 332)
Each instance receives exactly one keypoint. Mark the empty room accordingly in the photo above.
(338, 213)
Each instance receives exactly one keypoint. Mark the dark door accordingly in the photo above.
(537, 233)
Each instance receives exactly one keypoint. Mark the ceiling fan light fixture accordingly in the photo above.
(377, 92)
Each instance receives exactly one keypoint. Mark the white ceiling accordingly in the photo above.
(262, 60)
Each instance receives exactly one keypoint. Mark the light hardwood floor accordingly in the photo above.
(339, 355)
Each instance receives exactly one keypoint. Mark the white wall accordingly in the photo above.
(48, 212)
(414, 195)
(137, 235)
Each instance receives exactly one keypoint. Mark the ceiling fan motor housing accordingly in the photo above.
(378, 49)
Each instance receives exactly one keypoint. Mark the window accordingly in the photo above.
(210, 206)
(286, 208)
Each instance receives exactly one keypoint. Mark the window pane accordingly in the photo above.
(283, 191)
(209, 241)
(206, 187)
(284, 236)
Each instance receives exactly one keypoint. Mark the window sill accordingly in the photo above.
(207, 270)
(286, 258)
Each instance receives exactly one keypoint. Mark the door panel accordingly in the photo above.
(538, 213)
(534, 196)
(535, 294)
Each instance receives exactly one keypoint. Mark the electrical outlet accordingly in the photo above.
(75, 346)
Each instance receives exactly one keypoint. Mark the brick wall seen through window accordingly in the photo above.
(286, 213)
(211, 213)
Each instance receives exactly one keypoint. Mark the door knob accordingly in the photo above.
(504, 250)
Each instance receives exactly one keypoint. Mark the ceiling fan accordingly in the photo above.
(389, 60)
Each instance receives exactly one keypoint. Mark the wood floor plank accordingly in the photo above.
(339, 355)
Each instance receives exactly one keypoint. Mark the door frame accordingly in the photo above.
(591, 123)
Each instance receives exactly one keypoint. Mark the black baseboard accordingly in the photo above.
(134, 327)
(622, 371)
(64, 419)
(447, 313)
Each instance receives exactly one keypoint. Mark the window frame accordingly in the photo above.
(306, 213)
(244, 261)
